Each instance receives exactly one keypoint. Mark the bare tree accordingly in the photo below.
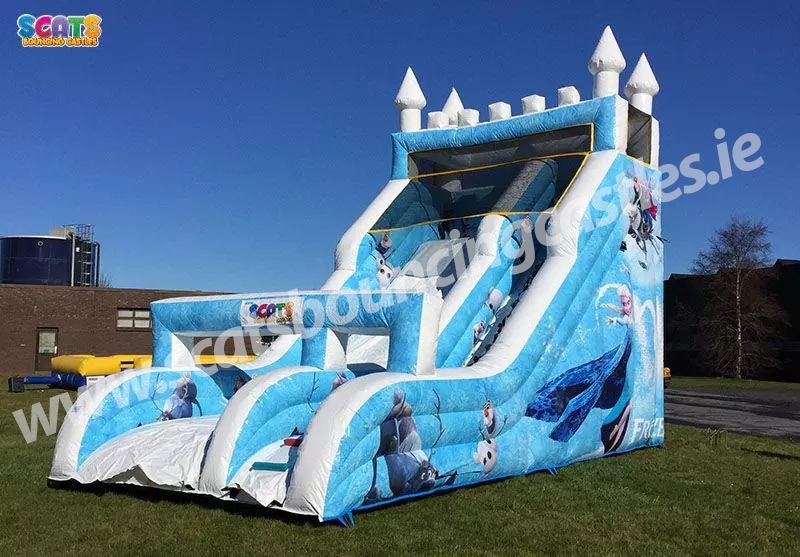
(740, 311)
(104, 281)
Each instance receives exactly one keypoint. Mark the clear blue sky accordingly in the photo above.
(228, 145)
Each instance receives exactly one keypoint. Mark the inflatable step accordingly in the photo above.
(266, 478)
(164, 454)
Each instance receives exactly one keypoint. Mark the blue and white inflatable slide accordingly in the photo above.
(496, 310)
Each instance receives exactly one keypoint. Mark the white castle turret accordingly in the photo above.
(499, 111)
(452, 106)
(533, 104)
(605, 64)
(438, 120)
(642, 86)
(568, 95)
(410, 101)
(468, 117)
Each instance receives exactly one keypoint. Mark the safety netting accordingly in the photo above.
(454, 188)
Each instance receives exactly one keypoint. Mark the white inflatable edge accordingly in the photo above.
(70, 436)
(621, 125)
(214, 475)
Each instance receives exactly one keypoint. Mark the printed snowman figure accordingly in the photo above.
(385, 273)
(486, 452)
(385, 244)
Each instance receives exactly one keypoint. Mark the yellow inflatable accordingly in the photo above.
(90, 366)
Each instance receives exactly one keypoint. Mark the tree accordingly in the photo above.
(104, 281)
(740, 313)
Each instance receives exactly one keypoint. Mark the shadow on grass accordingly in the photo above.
(238, 508)
(207, 501)
(151, 495)
(772, 454)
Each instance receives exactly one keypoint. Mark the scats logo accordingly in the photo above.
(270, 312)
(59, 30)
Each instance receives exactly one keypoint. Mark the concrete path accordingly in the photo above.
(756, 412)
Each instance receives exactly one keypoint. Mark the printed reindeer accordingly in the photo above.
(410, 470)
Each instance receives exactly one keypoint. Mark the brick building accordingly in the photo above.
(682, 351)
(39, 322)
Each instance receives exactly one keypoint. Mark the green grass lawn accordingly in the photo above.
(704, 493)
(725, 383)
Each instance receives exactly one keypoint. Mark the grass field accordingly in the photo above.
(725, 383)
(704, 493)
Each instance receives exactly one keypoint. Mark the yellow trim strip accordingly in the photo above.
(627, 138)
(501, 213)
(584, 154)
(640, 161)
(574, 177)
(445, 172)
(474, 168)
(437, 221)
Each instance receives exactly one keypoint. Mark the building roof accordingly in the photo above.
(786, 262)
(778, 263)
(42, 236)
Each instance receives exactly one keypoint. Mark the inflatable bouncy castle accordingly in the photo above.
(496, 310)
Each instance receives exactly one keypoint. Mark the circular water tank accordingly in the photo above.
(35, 260)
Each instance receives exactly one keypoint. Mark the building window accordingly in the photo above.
(136, 319)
